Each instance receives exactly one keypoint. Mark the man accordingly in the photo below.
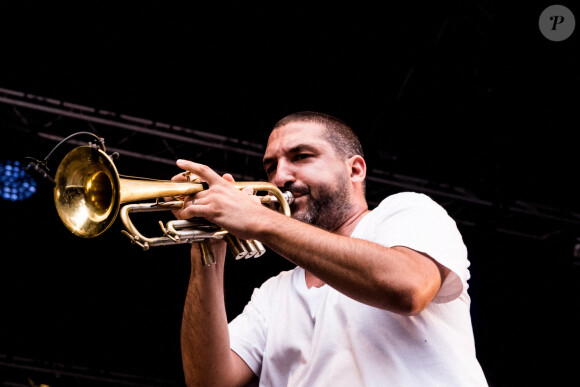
(377, 298)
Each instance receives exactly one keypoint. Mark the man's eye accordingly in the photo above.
(302, 156)
(270, 169)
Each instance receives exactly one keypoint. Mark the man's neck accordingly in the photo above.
(348, 226)
(312, 280)
(345, 229)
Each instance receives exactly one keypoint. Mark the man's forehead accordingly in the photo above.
(296, 133)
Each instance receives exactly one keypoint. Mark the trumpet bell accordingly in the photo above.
(87, 191)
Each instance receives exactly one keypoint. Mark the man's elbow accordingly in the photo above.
(410, 300)
(414, 303)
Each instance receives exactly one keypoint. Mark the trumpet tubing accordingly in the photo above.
(89, 194)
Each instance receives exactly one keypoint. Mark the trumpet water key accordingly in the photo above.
(89, 192)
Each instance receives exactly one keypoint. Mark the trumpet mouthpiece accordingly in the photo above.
(267, 199)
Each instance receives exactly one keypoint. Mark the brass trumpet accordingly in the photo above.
(89, 192)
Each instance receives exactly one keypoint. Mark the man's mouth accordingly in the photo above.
(298, 191)
(299, 202)
(298, 195)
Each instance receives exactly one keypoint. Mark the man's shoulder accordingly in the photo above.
(407, 198)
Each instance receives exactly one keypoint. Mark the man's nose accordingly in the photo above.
(284, 174)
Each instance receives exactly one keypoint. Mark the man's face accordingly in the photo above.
(299, 159)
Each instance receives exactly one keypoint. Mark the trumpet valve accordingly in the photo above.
(260, 249)
(237, 248)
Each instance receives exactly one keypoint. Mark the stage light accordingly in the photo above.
(15, 183)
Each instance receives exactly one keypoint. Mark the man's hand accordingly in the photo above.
(222, 203)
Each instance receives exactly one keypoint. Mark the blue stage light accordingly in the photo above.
(15, 183)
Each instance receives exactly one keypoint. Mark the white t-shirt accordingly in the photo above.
(290, 335)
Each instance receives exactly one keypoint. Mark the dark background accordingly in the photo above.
(464, 100)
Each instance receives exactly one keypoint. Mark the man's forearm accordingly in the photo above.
(396, 279)
(204, 332)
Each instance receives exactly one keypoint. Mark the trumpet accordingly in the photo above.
(89, 194)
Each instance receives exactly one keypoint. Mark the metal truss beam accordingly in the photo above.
(21, 371)
(159, 143)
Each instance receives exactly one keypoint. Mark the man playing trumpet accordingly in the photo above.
(377, 298)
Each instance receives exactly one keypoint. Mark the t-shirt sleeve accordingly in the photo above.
(416, 221)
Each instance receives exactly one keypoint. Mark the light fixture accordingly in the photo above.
(15, 183)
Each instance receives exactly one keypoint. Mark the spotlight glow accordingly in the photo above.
(15, 183)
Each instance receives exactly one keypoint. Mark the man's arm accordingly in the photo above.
(398, 279)
(205, 344)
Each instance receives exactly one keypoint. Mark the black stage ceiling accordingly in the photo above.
(464, 100)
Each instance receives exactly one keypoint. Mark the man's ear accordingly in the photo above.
(358, 168)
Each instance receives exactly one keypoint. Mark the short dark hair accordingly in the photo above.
(343, 139)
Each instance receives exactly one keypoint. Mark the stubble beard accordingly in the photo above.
(328, 208)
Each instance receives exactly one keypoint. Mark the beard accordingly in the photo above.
(326, 208)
